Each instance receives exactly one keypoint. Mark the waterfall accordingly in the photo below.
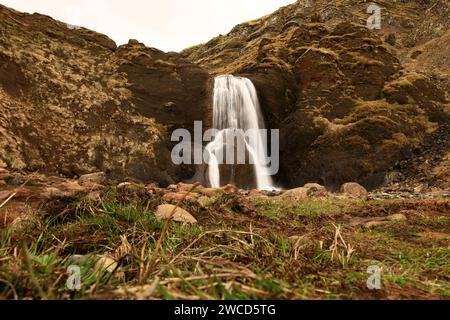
(236, 112)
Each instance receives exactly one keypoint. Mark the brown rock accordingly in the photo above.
(131, 189)
(166, 211)
(173, 187)
(52, 192)
(373, 224)
(88, 180)
(315, 189)
(229, 188)
(22, 193)
(254, 192)
(154, 189)
(73, 187)
(210, 192)
(354, 189)
(175, 197)
(187, 187)
(397, 217)
(297, 194)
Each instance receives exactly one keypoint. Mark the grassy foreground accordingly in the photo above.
(241, 248)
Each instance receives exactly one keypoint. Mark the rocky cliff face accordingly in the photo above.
(72, 102)
(350, 102)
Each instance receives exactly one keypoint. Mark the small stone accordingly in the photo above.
(72, 187)
(230, 188)
(129, 188)
(315, 189)
(105, 263)
(78, 259)
(98, 178)
(373, 224)
(210, 192)
(170, 106)
(297, 194)
(15, 179)
(172, 187)
(52, 192)
(391, 39)
(187, 187)
(354, 189)
(397, 217)
(254, 193)
(20, 193)
(172, 196)
(165, 211)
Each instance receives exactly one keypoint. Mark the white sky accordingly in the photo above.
(169, 25)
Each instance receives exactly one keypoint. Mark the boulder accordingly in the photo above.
(354, 189)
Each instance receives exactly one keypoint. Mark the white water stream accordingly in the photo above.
(237, 115)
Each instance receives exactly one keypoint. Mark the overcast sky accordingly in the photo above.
(169, 25)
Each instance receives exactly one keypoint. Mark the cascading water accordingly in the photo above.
(236, 111)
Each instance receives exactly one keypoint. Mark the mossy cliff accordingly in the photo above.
(350, 102)
(72, 102)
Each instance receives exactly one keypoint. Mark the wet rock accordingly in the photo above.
(166, 211)
(98, 178)
(354, 189)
